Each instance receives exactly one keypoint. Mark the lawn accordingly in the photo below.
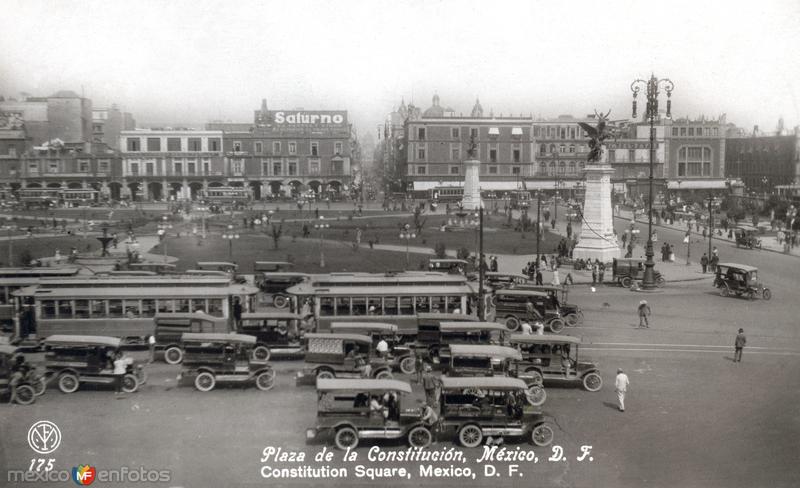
(46, 247)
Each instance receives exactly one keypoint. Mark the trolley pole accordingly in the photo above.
(481, 270)
(710, 224)
(538, 224)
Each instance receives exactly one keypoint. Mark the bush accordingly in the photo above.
(25, 258)
(462, 253)
(439, 250)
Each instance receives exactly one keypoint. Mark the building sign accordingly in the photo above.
(294, 118)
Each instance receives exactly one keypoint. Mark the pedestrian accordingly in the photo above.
(539, 277)
(621, 386)
(494, 265)
(704, 263)
(531, 313)
(568, 279)
(601, 271)
(382, 348)
(525, 328)
(419, 367)
(595, 272)
(556, 281)
(151, 343)
(429, 384)
(738, 345)
(644, 311)
(121, 363)
(237, 312)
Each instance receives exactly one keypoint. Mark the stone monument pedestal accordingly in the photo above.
(472, 185)
(597, 239)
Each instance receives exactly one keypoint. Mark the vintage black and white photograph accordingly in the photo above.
(400, 243)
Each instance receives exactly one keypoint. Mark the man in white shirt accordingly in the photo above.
(526, 329)
(621, 386)
(382, 348)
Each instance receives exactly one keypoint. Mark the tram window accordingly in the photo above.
(406, 305)
(390, 306)
(65, 309)
(438, 304)
(453, 303)
(423, 304)
(343, 306)
(98, 308)
(359, 306)
(215, 307)
(326, 307)
(5, 292)
(48, 309)
(374, 304)
(131, 308)
(165, 306)
(115, 308)
(182, 305)
(148, 307)
(81, 309)
(198, 304)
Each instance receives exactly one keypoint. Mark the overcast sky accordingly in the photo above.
(193, 61)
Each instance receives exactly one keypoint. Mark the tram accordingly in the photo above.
(12, 279)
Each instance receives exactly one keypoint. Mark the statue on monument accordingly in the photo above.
(597, 136)
(472, 147)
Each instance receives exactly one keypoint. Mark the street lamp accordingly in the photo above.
(321, 226)
(765, 185)
(230, 235)
(407, 234)
(202, 221)
(652, 86)
(162, 233)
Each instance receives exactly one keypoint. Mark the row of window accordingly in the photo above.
(126, 308)
(291, 147)
(268, 168)
(58, 166)
(558, 132)
(694, 161)
(695, 132)
(173, 144)
(455, 132)
(412, 305)
(455, 152)
(562, 148)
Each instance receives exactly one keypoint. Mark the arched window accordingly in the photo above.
(552, 168)
(552, 148)
(543, 149)
(562, 168)
(562, 148)
(572, 167)
(572, 148)
(542, 168)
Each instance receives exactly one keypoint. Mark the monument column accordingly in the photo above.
(472, 179)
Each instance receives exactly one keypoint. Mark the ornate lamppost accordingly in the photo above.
(407, 234)
(652, 91)
(163, 227)
(321, 226)
(230, 235)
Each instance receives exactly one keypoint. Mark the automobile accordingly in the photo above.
(275, 283)
(337, 356)
(740, 280)
(482, 360)
(211, 358)
(555, 358)
(400, 356)
(474, 407)
(277, 333)
(433, 341)
(747, 238)
(511, 308)
(18, 378)
(571, 313)
(343, 413)
(73, 360)
(170, 327)
(627, 270)
(503, 280)
(448, 265)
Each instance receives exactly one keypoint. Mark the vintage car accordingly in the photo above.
(170, 327)
(224, 358)
(339, 355)
(275, 284)
(343, 412)
(555, 358)
(399, 356)
(747, 238)
(503, 280)
(482, 360)
(740, 280)
(433, 342)
(277, 333)
(627, 270)
(571, 313)
(18, 378)
(74, 359)
(474, 407)
(511, 308)
(448, 265)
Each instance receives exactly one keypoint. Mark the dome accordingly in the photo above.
(434, 110)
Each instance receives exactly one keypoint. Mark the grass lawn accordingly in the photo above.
(46, 247)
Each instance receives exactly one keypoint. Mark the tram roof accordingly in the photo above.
(101, 292)
(362, 326)
(484, 382)
(336, 384)
(77, 340)
(307, 288)
(485, 351)
(39, 272)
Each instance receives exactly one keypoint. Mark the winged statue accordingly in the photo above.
(597, 135)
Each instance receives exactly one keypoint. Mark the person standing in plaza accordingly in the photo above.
(644, 311)
(429, 384)
(738, 345)
(621, 386)
(539, 276)
(704, 263)
(151, 343)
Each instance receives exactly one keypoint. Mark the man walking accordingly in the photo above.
(621, 386)
(429, 383)
(644, 311)
(738, 345)
(704, 263)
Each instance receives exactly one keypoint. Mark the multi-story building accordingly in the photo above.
(763, 161)
(65, 116)
(695, 153)
(107, 123)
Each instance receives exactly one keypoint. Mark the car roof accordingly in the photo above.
(484, 350)
(217, 337)
(87, 340)
(270, 315)
(346, 337)
(743, 267)
(447, 317)
(518, 292)
(6, 349)
(448, 260)
(363, 326)
(333, 384)
(543, 339)
(488, 382)
(472, 326)
(188, 315)
(495, 274)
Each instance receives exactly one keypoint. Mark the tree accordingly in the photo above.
(440, 250)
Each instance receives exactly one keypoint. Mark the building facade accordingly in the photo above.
(765, 161)
(108, 123)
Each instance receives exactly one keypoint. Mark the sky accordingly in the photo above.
(189, 62)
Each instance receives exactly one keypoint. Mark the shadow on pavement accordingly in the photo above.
(612, 406)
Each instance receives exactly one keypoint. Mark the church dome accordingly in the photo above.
(434, 110)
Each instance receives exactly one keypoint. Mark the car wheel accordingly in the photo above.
(626, 282)
(512, 323)
(325, 374)
(766, 294)
(205, 381)
(725, 291)
(534, 376)
(571, 320)
(420, 436)
(556, 326)
(280, 301)
(384, 374)
(173, 355)
(751, 294)
(261, 353)
(536, 395)
(40, 386)
(660, 281)
(346, 438)
(265, 381)
(68, 383)
(408, 365)
(24, 395)
(542, 435)
(470, 436)
(592, 381)
(129, 383)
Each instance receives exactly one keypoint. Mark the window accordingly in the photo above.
(473, 132)
(81, 309)
(276, 168)
(264, 168)
(237, 165)
(683, 131)
(259, 147)
(292, 168)
(215, 307)
(83, 166)
(313, 167)
(52, 166)
(562, 148)
(237, 146)
(191, 169)
(455, 133)
(421, 133)
(516, 154)
(135, 169)
(454, 170)
(166, 306)
(213, 144)
(153, 144)
(455, 152)
(103, 165)
(420, 170)
(563, 133)
(691, 131)
(33, 166)
(178, 168)
(492, 170)
(543, 149)
(148, 307)
(674, 132)
(173, 144)
(337, 167)
(151, 170)
(134, 144)
(542, 168)
(315, 148)
(572, 148)
(515, 170)
(493, 154)
(694, 161)
(572, 133)
(292, 148)
(337, 148)
(115, 308)
(206, 167)
(552, 148)
(421, 152)
(276, 147)
(343, 306)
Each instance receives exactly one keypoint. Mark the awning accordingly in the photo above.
(516, 131)
(494, 131)
(697, 184)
